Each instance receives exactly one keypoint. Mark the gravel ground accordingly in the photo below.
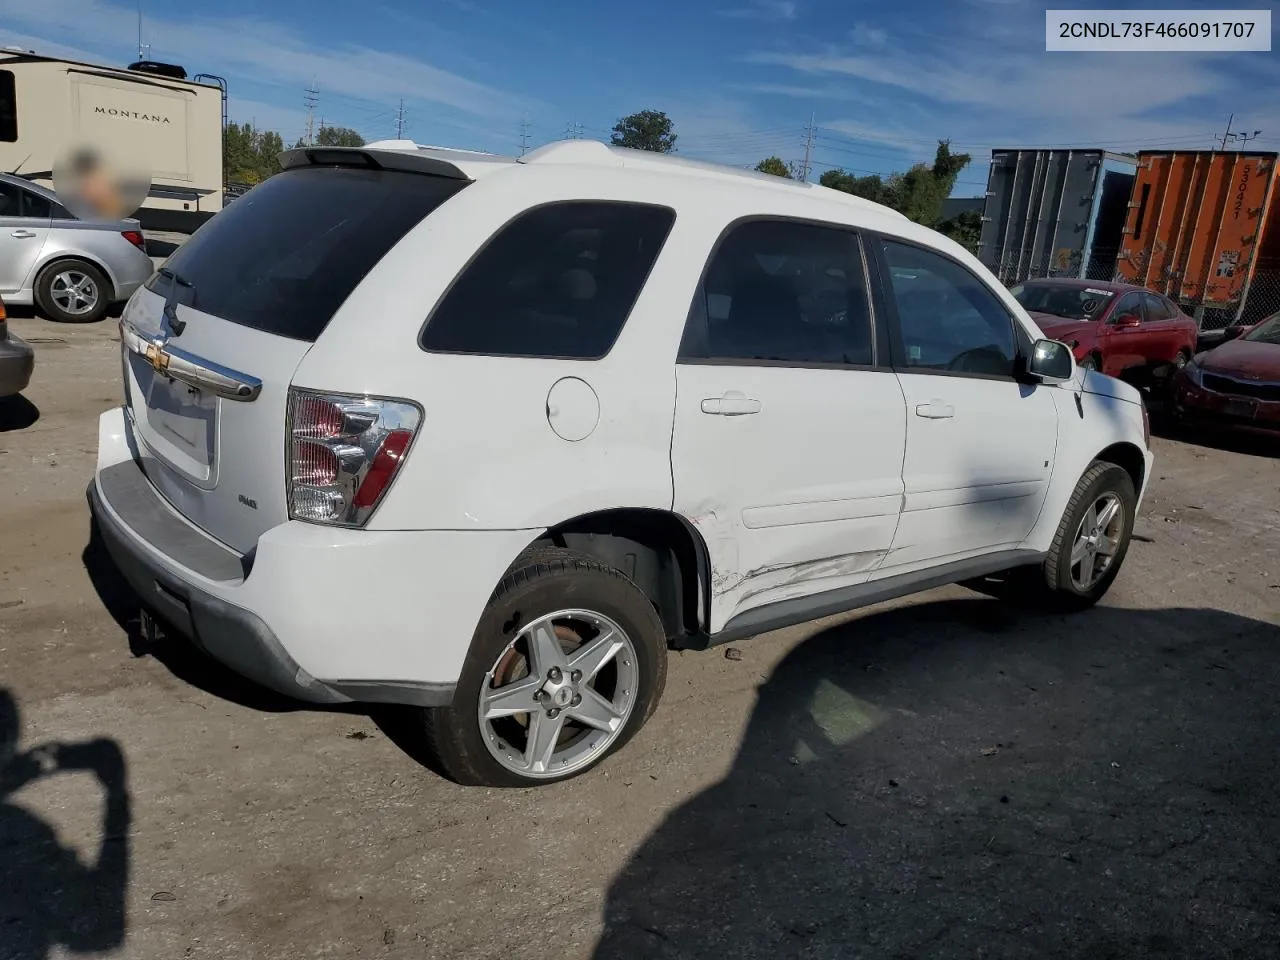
(942, 777)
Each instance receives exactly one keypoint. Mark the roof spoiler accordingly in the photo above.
(399, 160)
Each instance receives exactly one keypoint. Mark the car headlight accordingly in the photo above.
(1194, 371)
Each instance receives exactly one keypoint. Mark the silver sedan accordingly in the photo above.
(72, 269)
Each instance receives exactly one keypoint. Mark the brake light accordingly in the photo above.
(344, 452)
(136, 238)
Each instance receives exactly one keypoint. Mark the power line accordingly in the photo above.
(524, 134)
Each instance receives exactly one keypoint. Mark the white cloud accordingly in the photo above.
(764, 10)
(940, 79)
(257, 51)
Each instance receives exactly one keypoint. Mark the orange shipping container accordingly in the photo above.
(1200, 223)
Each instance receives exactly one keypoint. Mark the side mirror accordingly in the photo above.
(1050, 362)
(1128, 321)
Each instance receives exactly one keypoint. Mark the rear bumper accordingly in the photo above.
(17, 361)
(321, 614)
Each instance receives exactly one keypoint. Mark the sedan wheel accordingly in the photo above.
(74, 292)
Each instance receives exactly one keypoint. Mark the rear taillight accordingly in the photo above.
(344, 452)
(136, 238)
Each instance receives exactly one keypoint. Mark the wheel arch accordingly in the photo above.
(660, 550)
(63, 256)
(1128, 457)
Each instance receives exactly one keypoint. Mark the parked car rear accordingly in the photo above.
(17, 360)
(72, 269)
(1119, 329)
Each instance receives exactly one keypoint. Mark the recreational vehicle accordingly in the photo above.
(150, 116)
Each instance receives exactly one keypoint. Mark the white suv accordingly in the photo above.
(487, 437)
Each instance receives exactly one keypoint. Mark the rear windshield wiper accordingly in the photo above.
(171, 299)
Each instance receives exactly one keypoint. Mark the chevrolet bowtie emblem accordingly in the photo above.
(157, 357)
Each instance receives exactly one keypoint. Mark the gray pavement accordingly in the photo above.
(942, 777)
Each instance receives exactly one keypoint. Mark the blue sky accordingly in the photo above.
(740, 78)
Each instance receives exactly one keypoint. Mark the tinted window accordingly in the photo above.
(948, 319)
(10, 200)
(284, 257)
(557, 281)
(34, 205)
(781, 291)
(8, 108)
(1067, 300)
(1158, 308)
(1129, 303)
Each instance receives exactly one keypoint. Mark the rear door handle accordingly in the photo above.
(935, 410)
(732, 404)
(22, 234)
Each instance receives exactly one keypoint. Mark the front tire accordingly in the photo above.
(1092, 538)
(567, 663)
(72, 291)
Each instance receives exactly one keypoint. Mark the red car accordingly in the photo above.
(1116, 328)
(1236, 384)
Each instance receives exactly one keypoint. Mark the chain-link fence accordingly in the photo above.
(1258, 298)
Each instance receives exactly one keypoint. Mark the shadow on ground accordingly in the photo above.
(17, 413)
(964, 779)
(1254, 444)
(49, 898)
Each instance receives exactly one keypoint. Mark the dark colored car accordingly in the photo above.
(1116, 328)
(1236, 384)
(16, 359)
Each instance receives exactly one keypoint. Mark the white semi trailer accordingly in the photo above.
(150, 116)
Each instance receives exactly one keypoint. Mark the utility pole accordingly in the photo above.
(1226, 136)
(400, 121)
(574, 130)
(808, 148)
(311, 98)
(140, 52)
(524, 135)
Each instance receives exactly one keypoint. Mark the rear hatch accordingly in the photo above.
(211, 343)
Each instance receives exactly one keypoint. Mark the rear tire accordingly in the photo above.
(73, 291)
(549, 598)
(1092, 538)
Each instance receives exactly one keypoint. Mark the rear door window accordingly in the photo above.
(557, 281)
(283, 258)
(1129, 303)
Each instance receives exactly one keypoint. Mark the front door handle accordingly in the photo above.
(22, 234)
(732, 404)
(935, 410)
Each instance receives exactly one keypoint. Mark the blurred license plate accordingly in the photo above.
(1241, 408)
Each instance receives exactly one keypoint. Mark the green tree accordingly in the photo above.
(775, 166)
(338, 137)
(647, 130)
(250, 155)
(965, 229)
(871, 187)
(917, 194)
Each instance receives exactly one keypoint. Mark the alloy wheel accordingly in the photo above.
(559, 694)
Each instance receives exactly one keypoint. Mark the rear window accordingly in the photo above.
(557, 281)
(284, 257)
